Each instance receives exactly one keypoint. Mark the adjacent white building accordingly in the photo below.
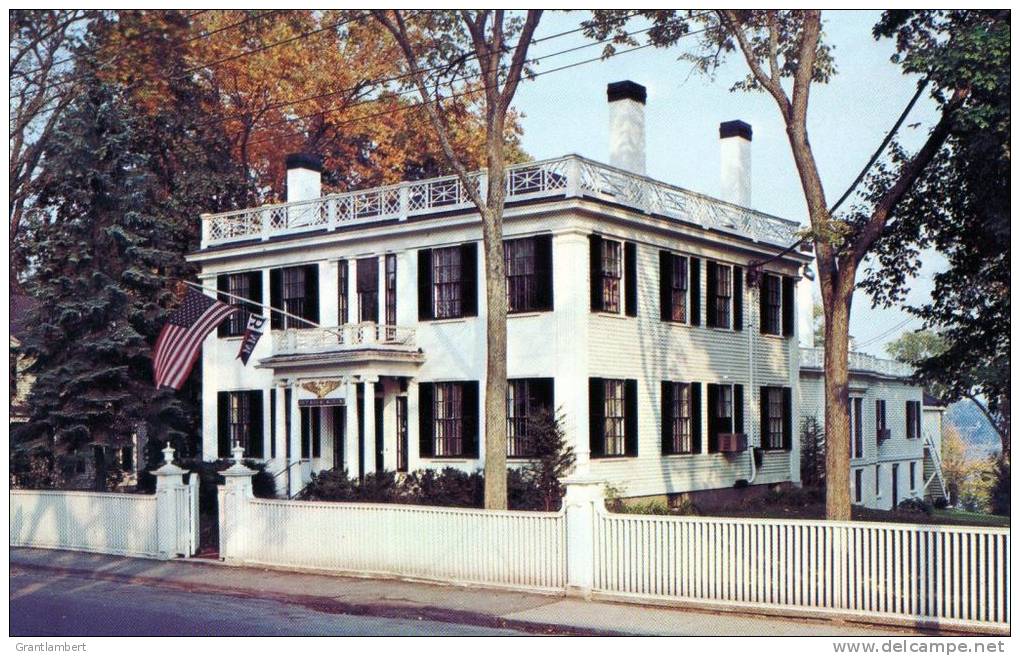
(631, 313)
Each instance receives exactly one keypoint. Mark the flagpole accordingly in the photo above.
(251, 302)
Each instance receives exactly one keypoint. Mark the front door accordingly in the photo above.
(895, 486)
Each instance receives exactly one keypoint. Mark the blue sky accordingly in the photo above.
(565, 112)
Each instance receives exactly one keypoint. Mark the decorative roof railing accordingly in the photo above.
(814, 358)
(570, 176)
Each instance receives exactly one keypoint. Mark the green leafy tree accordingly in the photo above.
(120, 192)
(959, 207)
(812, 453)
(553, 457)
(786, 55)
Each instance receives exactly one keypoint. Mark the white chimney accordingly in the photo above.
(627, 126)
(304, 177)
(735, 145)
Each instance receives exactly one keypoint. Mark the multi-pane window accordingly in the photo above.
(615, 419)
(449, 419)
(611, 273)
(857, 427)
(773, 430)
(913, 474)
(878, 480)
(723, 296)
(724, 408)
(881, 428)
(680, 419)
(294, 281)
(678, 289)
(913, 420)
(239, 285)
(239, 420)
(402, 437)
(524, 399)
(772, 287)
(521, 275)
(343, 289)
(446, 277)
(858, 485)
(391, 290)
(368, 290)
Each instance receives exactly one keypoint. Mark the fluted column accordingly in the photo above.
(351, 428)
(370, 436)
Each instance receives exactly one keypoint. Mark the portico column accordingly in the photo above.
(295, 443)
(280, 430)
(370, 436)
(351, 428)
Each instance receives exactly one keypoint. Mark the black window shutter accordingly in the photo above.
(738, 408)
(306, 439)
(543, 272)
(223, 424)
(311, 294)
(595, 262)
(765, 282)
(425, 310)
(222, 285)
(630, 423)
(255, 294)
(696, 417)
(596, 417)
(665, 286)
(763, 417)
(470, 413)
(711, 284)
(542, 392)
(787, 418)
(316, 431)
(426, 423)
(713, 421)
(789, 299)
(630, 275)
(272, 422)
(738, 298)
(256, 447)
(276, 297)
(695, 285)
(667, 416)
(910, 423)
(469, 279)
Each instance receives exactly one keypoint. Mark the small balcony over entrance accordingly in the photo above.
(391, 348)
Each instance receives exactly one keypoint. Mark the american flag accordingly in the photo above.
(180, 341)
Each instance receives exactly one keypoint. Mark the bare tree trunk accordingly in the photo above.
(495, 324)
(837, 411)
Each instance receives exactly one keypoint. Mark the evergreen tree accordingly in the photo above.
(122, 188)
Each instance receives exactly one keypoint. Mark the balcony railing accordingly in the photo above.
(570, 176)
(294, 341)
(814, 358)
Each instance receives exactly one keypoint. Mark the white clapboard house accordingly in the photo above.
(629, 312)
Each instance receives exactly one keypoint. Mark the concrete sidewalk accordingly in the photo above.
(392, 598)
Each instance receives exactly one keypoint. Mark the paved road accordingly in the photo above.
(69, 605)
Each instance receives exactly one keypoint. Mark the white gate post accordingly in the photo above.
(580, 502)
(172, 508)
(236, 492)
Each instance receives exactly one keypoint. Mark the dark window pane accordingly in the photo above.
(449, 419)
(521, 280)
(615, 419)
(611, 273)
(446, 285)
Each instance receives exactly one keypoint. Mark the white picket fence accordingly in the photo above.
(124, 524)
(507, 549)
(942, 575)
(162, 525)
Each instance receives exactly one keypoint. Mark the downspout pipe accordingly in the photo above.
(750, 375)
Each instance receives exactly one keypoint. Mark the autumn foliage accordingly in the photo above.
(327, 82)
